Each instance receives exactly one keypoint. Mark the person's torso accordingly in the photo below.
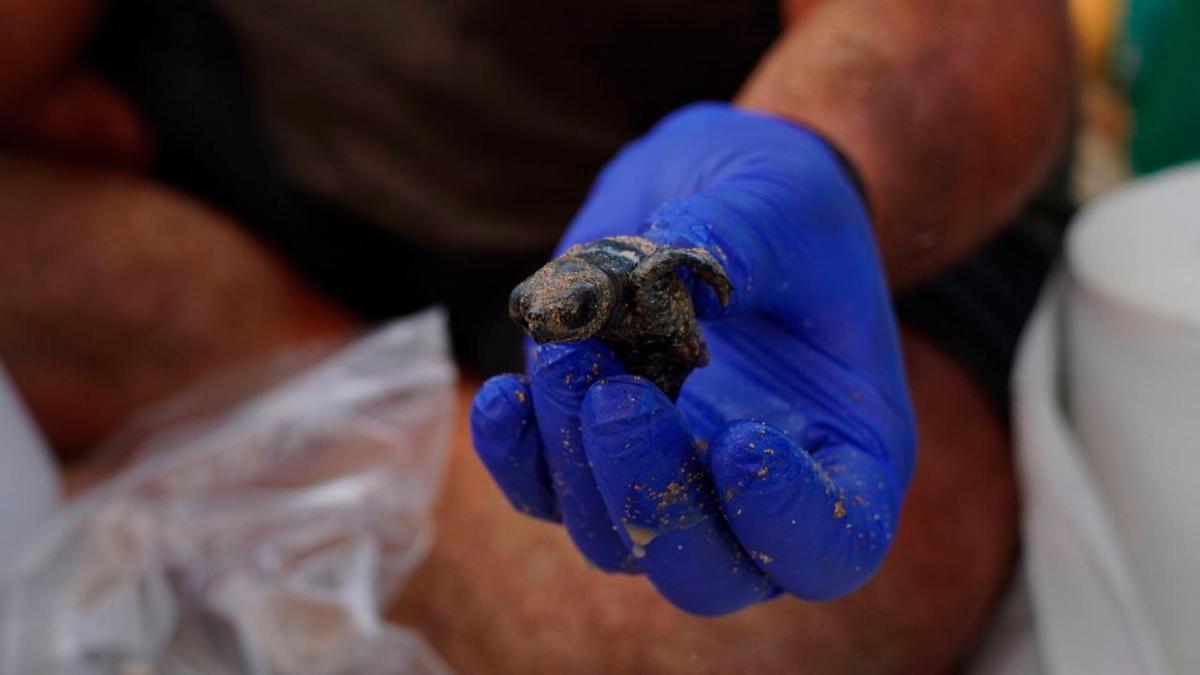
(478, 125)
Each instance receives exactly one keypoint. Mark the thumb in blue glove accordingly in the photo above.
(783, 464)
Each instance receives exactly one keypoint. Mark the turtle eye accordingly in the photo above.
(581, 308)
(514, 300)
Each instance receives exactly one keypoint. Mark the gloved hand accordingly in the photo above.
(784, 462)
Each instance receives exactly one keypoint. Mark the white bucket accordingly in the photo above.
(1132, 357)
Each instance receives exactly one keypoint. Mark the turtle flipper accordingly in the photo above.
(651, 271)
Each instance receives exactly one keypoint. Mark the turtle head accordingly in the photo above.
(567, 300)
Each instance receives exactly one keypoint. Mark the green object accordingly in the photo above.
(1159, 63)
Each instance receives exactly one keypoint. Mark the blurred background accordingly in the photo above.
(192, 187)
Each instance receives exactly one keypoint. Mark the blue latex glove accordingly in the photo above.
(784, 462)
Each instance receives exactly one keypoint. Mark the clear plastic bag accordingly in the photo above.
(260, 539)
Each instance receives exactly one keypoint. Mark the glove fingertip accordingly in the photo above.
(504, 432)
(502, 406)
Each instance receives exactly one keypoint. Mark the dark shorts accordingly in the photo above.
(977, 309)
(177, 64)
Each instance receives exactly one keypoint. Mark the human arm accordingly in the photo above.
(807, 352)
(52, 104)
(784, 464)
(116, 292)
(953, 113)
(41, 39)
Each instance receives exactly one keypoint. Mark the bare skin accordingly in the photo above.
(953, 111)
(40, 39)
(51, 105)
(115, 292)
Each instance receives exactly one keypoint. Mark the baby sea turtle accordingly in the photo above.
(625, 291)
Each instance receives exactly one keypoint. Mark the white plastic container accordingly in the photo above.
(29, 483)
(1132, 351)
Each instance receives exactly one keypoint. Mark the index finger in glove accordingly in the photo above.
(560, 377)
